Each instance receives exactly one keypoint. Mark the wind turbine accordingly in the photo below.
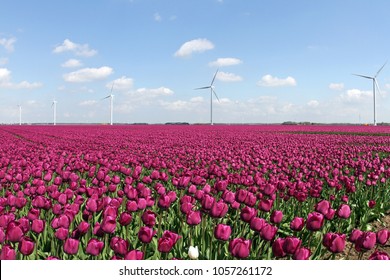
(20, 114)
(111, 96)
(54, 106)
(374, 86)
(212, 91)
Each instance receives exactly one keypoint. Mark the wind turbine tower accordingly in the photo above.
(374, 86)
(54, 106)
(20, 114)
(212, 91)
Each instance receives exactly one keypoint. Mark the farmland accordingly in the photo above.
(234, 192)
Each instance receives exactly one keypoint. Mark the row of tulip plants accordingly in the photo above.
(194, 192)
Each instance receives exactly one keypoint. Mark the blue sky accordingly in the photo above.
(278, 60)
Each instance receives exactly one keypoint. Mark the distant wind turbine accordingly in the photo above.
(54, 106)
(111, 96)
(374, 86)
(212, 91)
(20, 114)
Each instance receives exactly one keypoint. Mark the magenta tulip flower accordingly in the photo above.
(344, 211)
(277, 248)
(379, 255)
(134, 255)
(7, 253)
(247, 213)
(366, 241)
(119, 245)
(109, 224)
(257, 223)
(334, 242)
(149, 218)
(297, 224)
(291, 244)
(219, 209)
(222, 232)
(382, 236)
(14, 231)
(193, 218)
(71, 246)
(302, 254)
(268, 232)
(145, 234)
(26, 246)
(322, 207)
(94, 247)
(38, 226)
(276, 217)
(315, 221)
(240, 247)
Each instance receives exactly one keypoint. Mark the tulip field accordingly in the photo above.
(159, 192)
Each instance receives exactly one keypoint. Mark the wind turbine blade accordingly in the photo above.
(112, 87)
(380, 69)
(377, 86)
(108, 96)
(215, 75)
(203, 87)
(367, 77)
(215, 94)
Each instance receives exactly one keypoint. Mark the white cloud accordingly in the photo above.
(225, 61)
(153, 92)
(3, 60)
(78, 49)
(313, 103)
(269, 81)
(356, 95)
(5, 81)
(72, 63)
(122, 84)
(336, 86)
(8, 44)
(197, 99)
(88, 74)
(157, 17)
(228, 77)
(88, 103)
(194, 46)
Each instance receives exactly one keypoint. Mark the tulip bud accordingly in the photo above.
(125, 219)
(193, 253)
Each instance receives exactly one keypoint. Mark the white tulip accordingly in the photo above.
(193, 252)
